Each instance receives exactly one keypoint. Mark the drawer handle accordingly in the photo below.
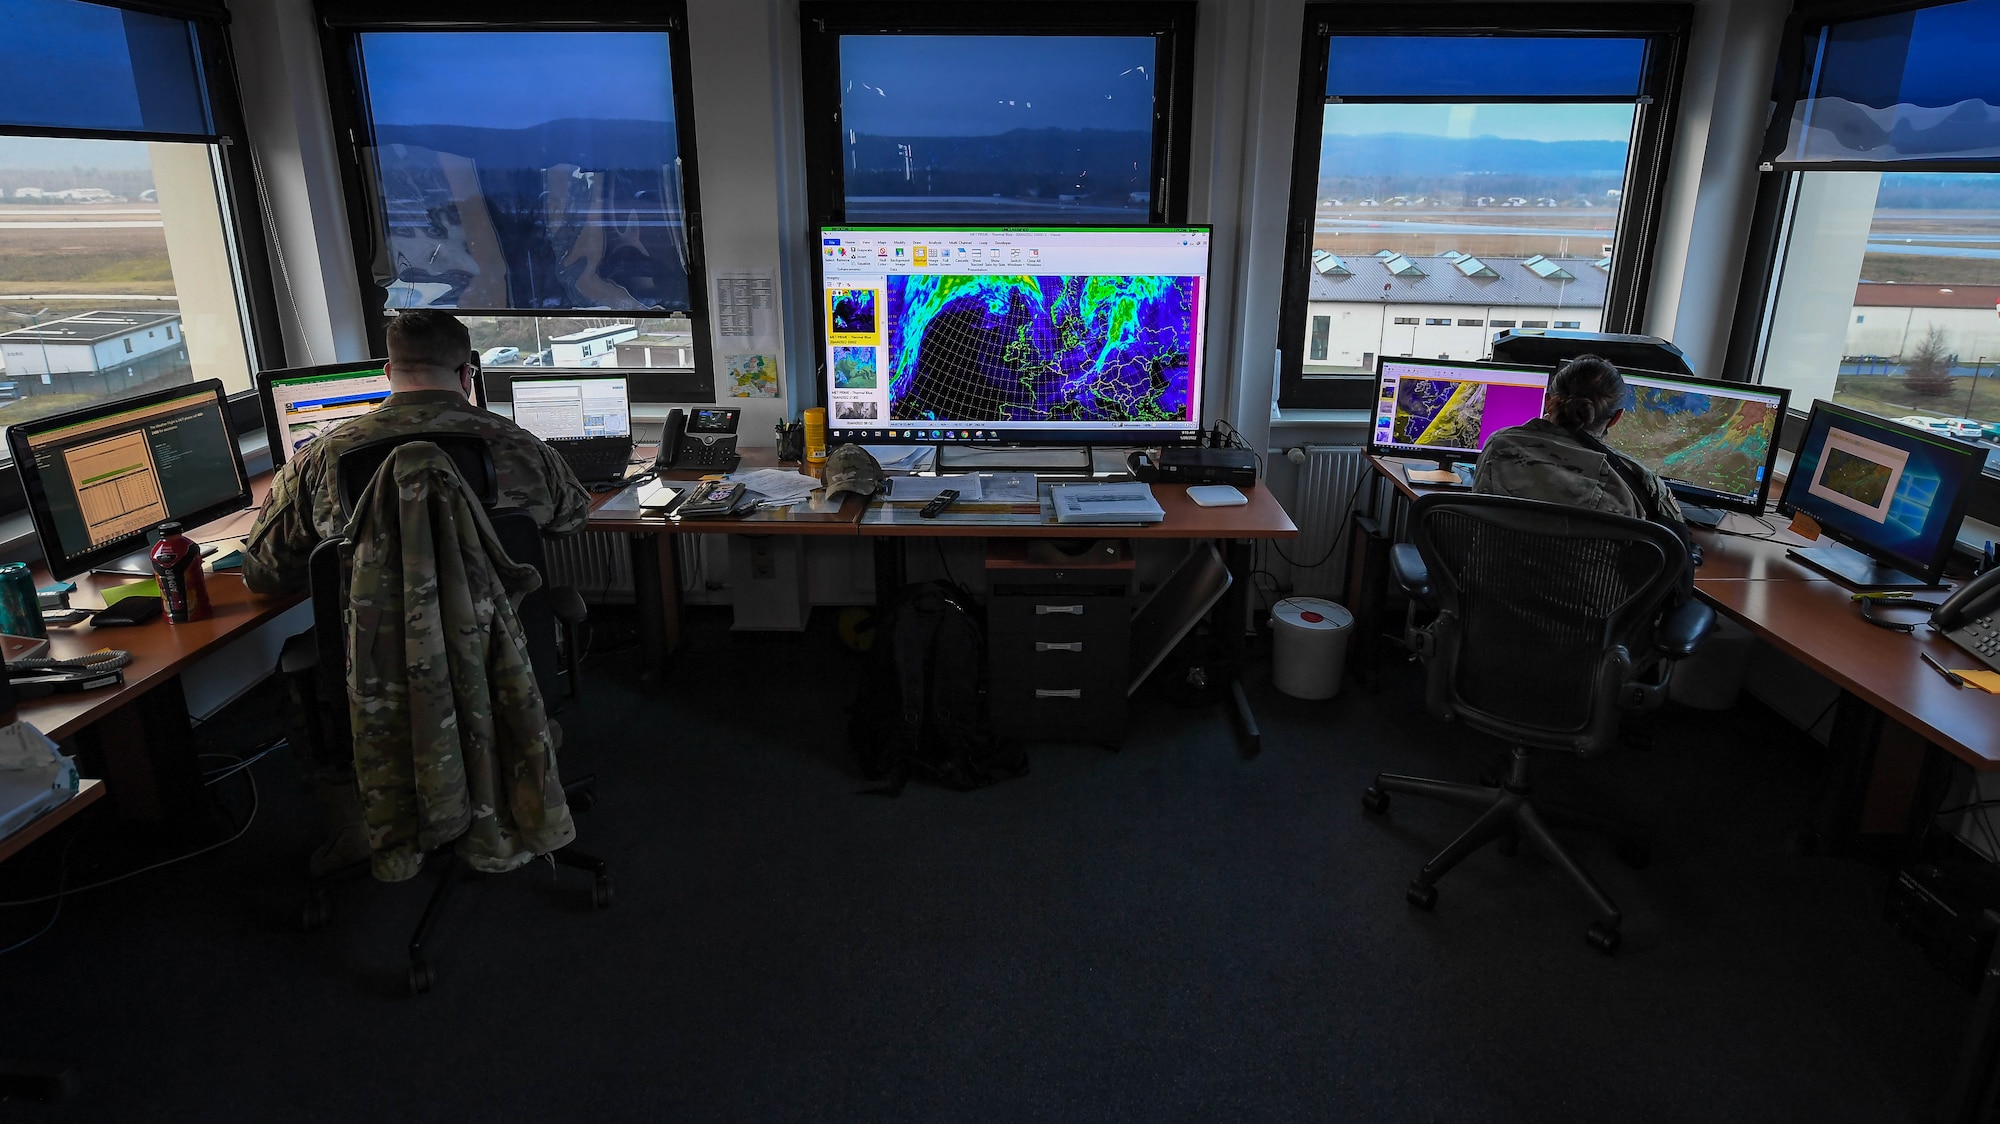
(1045, 610)
(1047, 693)
(1048, 646)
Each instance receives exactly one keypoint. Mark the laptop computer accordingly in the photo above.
(587, 419)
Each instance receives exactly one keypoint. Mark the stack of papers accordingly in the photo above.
(924, 489)
(775, 487)
(1106, 503)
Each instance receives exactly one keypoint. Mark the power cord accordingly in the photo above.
(1346, 522)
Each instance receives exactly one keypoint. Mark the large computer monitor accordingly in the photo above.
(1036, 336)
(566, 407)
(1714, 443)
(99, 479)
(1891, 497)
(1446, 409)
(302, 404)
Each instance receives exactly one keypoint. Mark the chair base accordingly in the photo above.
(1507, 815)
(318, 908)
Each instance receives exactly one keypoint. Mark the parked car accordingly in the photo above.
(500, 356)
(1964, 427)
(1934, 425)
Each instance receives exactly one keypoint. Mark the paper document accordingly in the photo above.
(1009, 487)
(778, 484)
(924, 489)
(1106, 503)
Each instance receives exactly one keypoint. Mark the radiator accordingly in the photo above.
(1328, 484)
(597, 564)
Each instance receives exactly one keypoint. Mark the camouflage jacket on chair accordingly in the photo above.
(1540, 460)
(451, 741)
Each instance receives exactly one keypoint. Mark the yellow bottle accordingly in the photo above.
(815, 419)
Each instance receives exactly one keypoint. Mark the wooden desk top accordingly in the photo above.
(1261, 518)
(87, 793)
(774, 521)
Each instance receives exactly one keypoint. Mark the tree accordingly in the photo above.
(1927, 370)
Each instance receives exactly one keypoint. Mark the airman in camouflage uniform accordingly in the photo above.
(450, 738)
(1540, 460)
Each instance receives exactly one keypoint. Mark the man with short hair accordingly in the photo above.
(430, 383)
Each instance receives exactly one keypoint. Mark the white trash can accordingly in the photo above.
(1309, 646)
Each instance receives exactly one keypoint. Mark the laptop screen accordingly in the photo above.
(566, 408)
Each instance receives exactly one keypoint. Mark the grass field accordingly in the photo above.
(1892, 397)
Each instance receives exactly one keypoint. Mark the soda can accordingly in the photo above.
(20, 610)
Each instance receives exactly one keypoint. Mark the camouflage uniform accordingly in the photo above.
(1541, 460)
(450, 738)
(304, 505)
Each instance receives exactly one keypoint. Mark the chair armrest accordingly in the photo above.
(567, 604)
(1408, 567)
(1683, 628)
(300, 653)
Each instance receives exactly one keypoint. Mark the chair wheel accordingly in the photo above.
(420, 977)
(600, 892)
(1635, 855)
(1422, 896)
(1374, 800)
(316, 911)
(1604, 938)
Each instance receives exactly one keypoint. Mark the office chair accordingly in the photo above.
(316, 662)
(1551, 624)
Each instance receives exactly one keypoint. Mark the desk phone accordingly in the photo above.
(1970, 618)
(706, 439)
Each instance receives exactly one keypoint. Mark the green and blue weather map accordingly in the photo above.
(1075, 348)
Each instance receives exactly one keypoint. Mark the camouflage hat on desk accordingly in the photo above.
(851, 468)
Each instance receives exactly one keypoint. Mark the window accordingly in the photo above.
(1075, 112)
(1435, 320)
(541, 188)
(1406, 319)
(1569, 323)
(1534, 323)
(1875, 283)
(1442, 161)
(117, 210)
(1322, 327)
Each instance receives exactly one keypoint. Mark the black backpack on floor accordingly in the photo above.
(918, 711)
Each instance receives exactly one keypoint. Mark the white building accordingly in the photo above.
(1890, 321)
(1447, 306)
(88, 342)
(592, 347)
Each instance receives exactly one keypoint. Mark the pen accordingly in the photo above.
(1950, 676)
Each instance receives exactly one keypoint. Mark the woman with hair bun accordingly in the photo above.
(1561, 456)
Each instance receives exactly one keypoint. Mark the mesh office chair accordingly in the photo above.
(319, 668)
(1552, 623)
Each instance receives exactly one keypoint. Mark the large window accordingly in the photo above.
(1029, 113)
(121, 267)
(1880, 269)
(1463, 169)
(536, 180)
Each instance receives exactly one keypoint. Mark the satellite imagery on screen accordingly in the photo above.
(1045, 348)
(1440, 412)
(1706, 440)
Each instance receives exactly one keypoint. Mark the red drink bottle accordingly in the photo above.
(183, 586)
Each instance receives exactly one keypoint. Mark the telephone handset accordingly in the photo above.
(706, 441)
(1970, 617)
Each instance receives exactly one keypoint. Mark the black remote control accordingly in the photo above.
(937, 505)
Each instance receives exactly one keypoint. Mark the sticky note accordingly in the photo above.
(1987, 681)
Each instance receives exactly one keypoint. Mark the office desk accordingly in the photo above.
(1233, 527)
(87, 793)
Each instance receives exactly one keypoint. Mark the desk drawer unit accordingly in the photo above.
(1057, 646)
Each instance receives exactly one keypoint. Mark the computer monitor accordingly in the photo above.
(99, 479)
(1032, 336)
(1447, 409)
(1891, 497)
(302, 404)
(1714, 443)
(566, 407)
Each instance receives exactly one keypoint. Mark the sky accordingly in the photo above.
(1597, 122)
(481, 78)
(43, 152)
(982, 85)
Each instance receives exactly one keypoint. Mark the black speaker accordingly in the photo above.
(1539, 347)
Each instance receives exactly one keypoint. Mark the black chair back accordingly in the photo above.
(357, 466)
(1544, 610)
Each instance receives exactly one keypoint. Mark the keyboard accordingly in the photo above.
(596, 459)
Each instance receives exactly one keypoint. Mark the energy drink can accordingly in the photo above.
(20, 610)
(183, 586)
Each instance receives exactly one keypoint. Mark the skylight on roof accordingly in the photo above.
(1385, 255)
(1473, 267)
(1548, 270)
(1401, 266)
(1327, 265)
(1454, 255)
(1603, 263)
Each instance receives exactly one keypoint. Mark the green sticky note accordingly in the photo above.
(148, 588)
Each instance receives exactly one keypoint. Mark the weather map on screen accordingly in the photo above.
(1706, 439)
(963, 333)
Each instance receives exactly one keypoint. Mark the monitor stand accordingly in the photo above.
(1710, 517)
(1045, 461)
(1851, 567)
(138, 562)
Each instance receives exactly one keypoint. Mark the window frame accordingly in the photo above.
(244, 214)
(1635, 238)
(1770, 227)
(341, 24)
